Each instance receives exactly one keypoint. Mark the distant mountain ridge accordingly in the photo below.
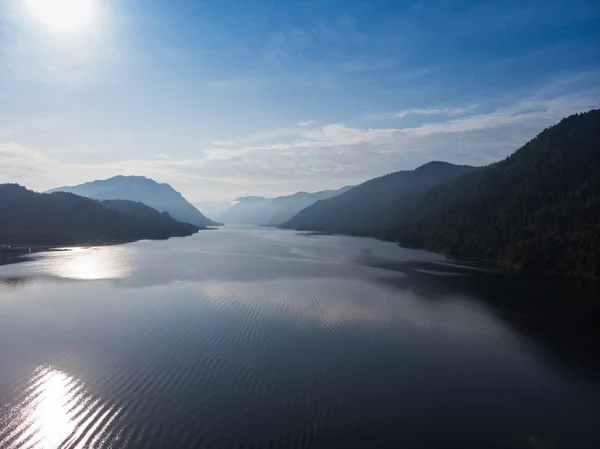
(369, 206)
(257, 210)
(161, 197)
(50, 219)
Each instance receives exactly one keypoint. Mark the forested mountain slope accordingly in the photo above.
(370, 207)
(538, 209)
(38, 219)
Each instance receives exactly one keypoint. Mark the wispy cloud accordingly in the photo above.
(529, 110)
(450, 112)
(420, 112)
(18, 161)
(307, 123)
(320, 156)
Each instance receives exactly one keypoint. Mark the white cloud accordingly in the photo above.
(163, 156)
(307, 123)
(429, 111)
(341, 135)
(223, 143)
(434, 111)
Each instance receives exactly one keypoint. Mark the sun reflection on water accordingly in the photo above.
(89, 264)
(49, 413)
(54, 411)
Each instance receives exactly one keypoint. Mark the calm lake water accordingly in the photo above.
(262, 338)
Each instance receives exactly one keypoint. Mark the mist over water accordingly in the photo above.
(258, 338)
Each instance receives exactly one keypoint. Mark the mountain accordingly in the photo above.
(283, 208)
(213, 209)
(161, 197)
(258, 210)
(537, 209)
(48, 219)
(246, 210)
(370, 206)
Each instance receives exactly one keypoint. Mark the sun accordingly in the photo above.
(61, 15)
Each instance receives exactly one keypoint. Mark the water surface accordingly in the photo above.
(262, 338)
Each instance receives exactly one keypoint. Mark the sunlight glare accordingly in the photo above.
(47, 411)
(61, 15)
(55, 411)
(89, 264)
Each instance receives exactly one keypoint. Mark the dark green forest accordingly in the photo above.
(537, 209)
(367, 207)
(37, 219)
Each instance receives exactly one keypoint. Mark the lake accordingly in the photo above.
(265, 338)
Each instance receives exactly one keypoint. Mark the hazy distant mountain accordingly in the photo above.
(161, 197)
(257, 210)
(372, 205)
(46, 219)
(246, 210)
(213, 209)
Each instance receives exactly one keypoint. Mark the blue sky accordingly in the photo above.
(229, 98)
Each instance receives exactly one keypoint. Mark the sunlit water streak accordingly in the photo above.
(88, 264)
(54, 410)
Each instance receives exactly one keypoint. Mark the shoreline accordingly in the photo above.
(495, 263)
(25, 249)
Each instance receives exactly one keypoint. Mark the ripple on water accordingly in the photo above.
(55, 410)
(298, 349)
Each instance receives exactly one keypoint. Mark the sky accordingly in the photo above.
(231, 98)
